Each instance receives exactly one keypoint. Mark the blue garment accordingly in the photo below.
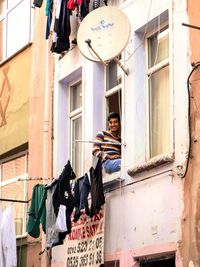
(81, 192)
(112, 165)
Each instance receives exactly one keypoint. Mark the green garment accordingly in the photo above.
(37, 211)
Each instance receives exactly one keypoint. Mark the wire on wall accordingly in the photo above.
(195, 66)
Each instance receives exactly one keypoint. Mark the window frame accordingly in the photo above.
(149, 71)
(73, 115)
(5, 30)
(15, 179)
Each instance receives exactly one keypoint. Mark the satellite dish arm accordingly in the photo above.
(121, 66)
(88, 42)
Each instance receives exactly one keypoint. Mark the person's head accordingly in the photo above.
(114, 122)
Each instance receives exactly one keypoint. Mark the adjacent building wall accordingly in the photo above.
(191, 235)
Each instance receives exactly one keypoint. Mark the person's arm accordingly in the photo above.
(97, 151)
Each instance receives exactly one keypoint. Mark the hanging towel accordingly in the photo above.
(9, 246)
(37, 211)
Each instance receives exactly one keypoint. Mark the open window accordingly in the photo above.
(76, 126)
(113, 93)
(158, 262)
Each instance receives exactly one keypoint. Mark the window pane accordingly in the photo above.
(18, 27)
(75, 96)
(159, 112)
(11, 3)
(13, 168)
(158, 47)
(114, 103)
(2, 39)
(15, 191)
(112, 78)
(76, 146)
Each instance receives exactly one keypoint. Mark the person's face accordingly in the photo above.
(113, 125)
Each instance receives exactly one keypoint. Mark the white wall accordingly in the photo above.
(148, 211)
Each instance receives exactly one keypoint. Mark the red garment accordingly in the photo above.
(71, 5)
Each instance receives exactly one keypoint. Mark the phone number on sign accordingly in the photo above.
(85, 260)
(86, 246)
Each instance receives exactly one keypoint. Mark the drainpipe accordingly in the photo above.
(44, 261)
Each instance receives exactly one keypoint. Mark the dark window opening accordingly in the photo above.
(158, 262)
(111, 264)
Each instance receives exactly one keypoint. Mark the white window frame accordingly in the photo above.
(4, 16)
(73, 115)
(150, 71)
(113, 90)
(15, 179)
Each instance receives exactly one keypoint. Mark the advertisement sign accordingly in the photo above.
(85, 244)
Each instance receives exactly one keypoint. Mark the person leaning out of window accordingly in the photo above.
(108, 145)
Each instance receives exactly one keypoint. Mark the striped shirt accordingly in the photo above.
(112, 149)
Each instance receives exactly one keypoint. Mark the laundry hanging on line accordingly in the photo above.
(65, 203)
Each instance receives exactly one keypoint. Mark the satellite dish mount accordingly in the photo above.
(103, 35)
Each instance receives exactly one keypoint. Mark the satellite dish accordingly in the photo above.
(103, 34)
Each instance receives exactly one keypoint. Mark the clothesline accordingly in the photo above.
(95, 141)
(14, 200)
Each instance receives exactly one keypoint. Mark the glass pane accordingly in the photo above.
(18, 27)
(159, 112)
(2, 39)
(76, 146)
(15, 191)
(112, 78)
(12, 3)
(13, 168)
(114, 102)
(2, 6)
(75, 96)
(158, 47)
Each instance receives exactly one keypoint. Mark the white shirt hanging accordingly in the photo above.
(8, 238)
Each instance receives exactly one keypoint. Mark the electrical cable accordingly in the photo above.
(195, 66)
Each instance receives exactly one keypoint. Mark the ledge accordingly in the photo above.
(111, 178)
(150, 164)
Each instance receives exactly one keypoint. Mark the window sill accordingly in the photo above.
(4, 61)
(150, 164)
(111, 178)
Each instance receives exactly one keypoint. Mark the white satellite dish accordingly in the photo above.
(103, 34)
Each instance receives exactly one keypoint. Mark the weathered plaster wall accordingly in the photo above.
(191, 233)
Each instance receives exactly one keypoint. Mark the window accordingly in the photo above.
(14, 26)
(76, 126)
(159, 262)
(10, 188)
(112, 263)
(159, 93)
(113, 88)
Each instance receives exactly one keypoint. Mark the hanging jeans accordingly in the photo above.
(112, 165)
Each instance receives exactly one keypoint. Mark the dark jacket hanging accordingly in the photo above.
(63, 195)
(97, 194)
(63, 29)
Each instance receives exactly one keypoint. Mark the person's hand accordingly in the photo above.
(113, 156)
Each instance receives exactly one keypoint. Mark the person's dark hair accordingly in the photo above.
(113, 115)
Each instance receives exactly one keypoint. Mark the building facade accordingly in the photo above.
(23, 145)
(145, 200)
